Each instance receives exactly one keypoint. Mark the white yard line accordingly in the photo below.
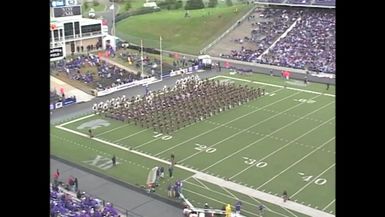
(295, 163)
(208, 131)
(197, 180)
(313, 180)
(282, 147)
(245, 147)
(328, 204)
(289, 211)
(145, 143)
(279, 86)
(116, 128)
(221, 202)
(227, 191)
(79, 119)
(218, 181)
(129, 136)
(254, 125)
(263, 196)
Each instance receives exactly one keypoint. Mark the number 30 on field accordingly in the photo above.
(250, 161)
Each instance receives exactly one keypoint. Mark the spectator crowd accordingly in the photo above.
(107, 75)
(310, 44)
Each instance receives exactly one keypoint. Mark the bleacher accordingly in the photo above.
(64, 203)
(300, 2)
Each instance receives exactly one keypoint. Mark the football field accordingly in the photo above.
(284, 140)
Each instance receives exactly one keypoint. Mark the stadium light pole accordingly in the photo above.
(112, 7)
(141, 55)
(161, 58)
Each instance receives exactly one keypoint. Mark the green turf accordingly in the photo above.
(281, 141)
(187, 35)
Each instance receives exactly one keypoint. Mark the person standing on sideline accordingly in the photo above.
(56, 178)
(90, 132)
(76, 184)
(238, 207)
(170, 170)
(260, 209)
(284, 195)
(113, 160)
(305, 79)
(327, 86)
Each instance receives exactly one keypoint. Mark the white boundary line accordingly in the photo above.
(262, 195)
(274, 85)
(295, 163)
(246, 202)
(218, 181)
(313, 180)
(69, 122)
(282, 147)
(116, 128)
(118, 140)
(221, 202)
(197, 180)
(328, 204)
(254, 125)
(227, 191)
(267, 208)
(264, 137)
(148, 142)
(225, 124)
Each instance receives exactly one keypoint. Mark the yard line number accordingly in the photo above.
(305, 100)
(204, 148)
(250, 161)
(319, 181)
(164, 137)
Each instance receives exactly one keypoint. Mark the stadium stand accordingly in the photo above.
(107, 75)
(325, 2)
(304, 2)
(65, 204)
(275, 22)
(301, 2)
(290, 37)
(310, 44)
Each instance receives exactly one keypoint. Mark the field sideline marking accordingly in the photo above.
(262, 195)
(268, 207)
(78, 119)
(227, 191)
(197, 180)
(118, 140)
(279, 149)
(124, 125)
(295, 163)
(272, 137)
(264, 137)
(274, 85)
(148, 142)
(220, 182)
(313, 180)
(328, 204)
(246, 202)
(221, 202)
(254, 125)
(204, 133)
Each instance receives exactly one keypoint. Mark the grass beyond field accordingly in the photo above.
(282, 141)
(182, 34)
